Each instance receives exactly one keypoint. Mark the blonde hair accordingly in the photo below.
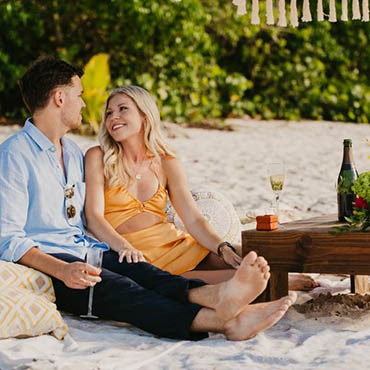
(116, 171)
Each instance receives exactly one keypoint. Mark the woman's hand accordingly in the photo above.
(131, 254)
(230, 257)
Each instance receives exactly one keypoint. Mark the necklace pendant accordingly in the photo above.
(138, 176)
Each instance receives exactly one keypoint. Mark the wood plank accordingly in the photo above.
(278, 285)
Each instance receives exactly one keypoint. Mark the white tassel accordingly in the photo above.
(344, 16)
(306, 11)
(270, 12)
(255, 12)
(356, 9)
(332, 11)
(320, 11)
(282, 14)
(365, 10)
(293, 13)
(242, 9)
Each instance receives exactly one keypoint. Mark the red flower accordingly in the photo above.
(361, 203)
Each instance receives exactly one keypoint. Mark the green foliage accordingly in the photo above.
(95, 82)
(362, 186)
(196, 56)
(360, 219)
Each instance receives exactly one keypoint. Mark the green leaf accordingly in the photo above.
(95, 82)
(96, 73)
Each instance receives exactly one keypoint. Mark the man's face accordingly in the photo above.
(73, 105)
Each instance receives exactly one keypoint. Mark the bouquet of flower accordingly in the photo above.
(360, 218)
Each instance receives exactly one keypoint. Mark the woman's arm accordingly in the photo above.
(94, 208)
(185, 206)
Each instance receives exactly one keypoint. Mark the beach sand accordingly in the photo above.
(328, 333)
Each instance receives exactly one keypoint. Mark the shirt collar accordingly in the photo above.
(40, 139)
(37, 136)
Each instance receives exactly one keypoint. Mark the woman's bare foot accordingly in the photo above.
(302, 282)
(257, 317)
(248, 282)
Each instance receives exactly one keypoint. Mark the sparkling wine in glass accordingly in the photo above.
(94, 257)
(276, 173)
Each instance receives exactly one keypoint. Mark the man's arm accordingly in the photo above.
(14, 202)
(15, 245)
(76, 275)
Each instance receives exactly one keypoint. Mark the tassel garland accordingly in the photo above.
(270, 12)
(293, 13)
(332, 11)
(306, 11)
(282, 14)
(365, 10)
(320, 11)
(255, 12)
(356, 9)
(344, 16)
(242, 7)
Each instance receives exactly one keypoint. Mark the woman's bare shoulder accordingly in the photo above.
(169, 160)
(94, 152)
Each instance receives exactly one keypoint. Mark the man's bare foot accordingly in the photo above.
(302, 282)
(257, 317)
(248, 282)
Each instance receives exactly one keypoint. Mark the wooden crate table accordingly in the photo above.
(306, 246)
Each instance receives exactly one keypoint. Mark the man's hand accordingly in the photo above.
(79, 275)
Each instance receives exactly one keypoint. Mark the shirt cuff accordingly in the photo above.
(16, 248)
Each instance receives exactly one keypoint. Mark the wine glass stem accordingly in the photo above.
(277, 199)
(91, 293)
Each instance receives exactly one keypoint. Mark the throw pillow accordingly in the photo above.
(217, 210)
(26, 314)
(26, 307)
(16, 275)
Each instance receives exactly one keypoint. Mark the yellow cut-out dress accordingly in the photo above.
(163, 245)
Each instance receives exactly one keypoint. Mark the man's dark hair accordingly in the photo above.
(44, 75)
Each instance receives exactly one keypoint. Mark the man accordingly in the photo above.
(41, 225)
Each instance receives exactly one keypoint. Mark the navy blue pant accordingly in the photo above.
(136, 293)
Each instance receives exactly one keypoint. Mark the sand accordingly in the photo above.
(329, 332)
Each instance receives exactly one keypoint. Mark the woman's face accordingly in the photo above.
(122, 118)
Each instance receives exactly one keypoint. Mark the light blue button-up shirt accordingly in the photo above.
(33, 207)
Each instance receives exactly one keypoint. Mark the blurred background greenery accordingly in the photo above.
(197, 57)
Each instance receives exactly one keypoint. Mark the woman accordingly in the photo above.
(128, 180)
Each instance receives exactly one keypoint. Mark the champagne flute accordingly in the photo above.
(94, 257)
(276, 172)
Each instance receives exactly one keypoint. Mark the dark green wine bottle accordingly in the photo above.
(347, 176)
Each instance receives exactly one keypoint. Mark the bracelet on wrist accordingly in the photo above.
(221, 247)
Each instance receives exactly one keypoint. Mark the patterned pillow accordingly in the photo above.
(217, 210)
(25, 303)
(26, 314)
(16, 275)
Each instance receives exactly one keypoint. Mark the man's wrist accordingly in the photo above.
(59, 271)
